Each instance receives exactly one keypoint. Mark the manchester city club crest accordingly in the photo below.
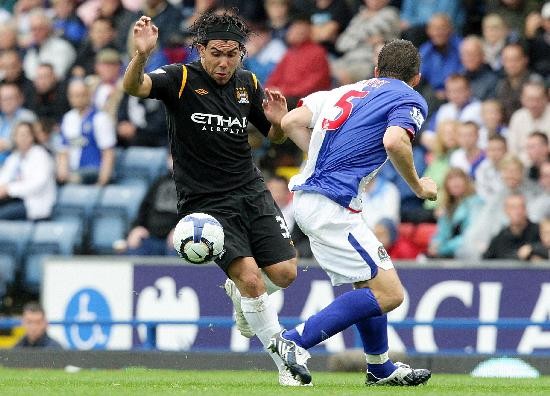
(382, 254)
(242, 95)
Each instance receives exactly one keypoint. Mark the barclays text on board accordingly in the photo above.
(125, 291)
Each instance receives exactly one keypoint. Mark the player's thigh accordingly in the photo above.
(340, 240)
(268, 233)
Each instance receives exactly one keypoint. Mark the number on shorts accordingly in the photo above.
(284, 227)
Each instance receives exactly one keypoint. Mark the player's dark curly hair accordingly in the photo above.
(399, 59)
(208, 20)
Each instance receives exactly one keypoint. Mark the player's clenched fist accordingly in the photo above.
(429, 189)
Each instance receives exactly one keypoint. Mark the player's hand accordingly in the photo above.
(274, 106)
(145, 36)
(428, 189)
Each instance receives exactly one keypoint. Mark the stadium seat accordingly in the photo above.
(142, 163)
(76, 199)
(48, 238)
(7, 271)
(117, 208)
(14, 236)
(423, 235)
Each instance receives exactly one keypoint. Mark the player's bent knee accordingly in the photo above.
(283, 274)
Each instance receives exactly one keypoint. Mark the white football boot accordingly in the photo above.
(403, 375)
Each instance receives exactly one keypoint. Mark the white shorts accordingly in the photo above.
(340, 239)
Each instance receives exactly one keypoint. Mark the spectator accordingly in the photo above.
(399, 248)
(101, 36)
(51, 94)
(141, 122)
(66, 23)
(538, 251)
(516, 73)
(534, 115)
(491, 217)
(481, 77)
(520, 231)
(492, 117)
(415, 15)
(47, 48)
(11, 68)
(106, 83)
(438, 164)
(8, 32)
(376, 23)
(495, 37)
(514, 12)
(164, 15)
(263, 52)
(329, 19)
(461, 105)
(539, 41)
(11, 113)
(278, 17)
(87, 154)
(538, 152)
(152, 230)
(540, 207)
(278, 187)
(487, 175)
(27, 179)
(468, 156)
(440, 55)
(294, 75)
(459, 207)
(380, 200)
(122, 19)
(36, 326)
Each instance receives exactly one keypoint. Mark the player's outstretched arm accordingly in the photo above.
(399, 148)
(145, 35)
(295, 124)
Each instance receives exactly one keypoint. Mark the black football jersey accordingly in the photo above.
(207, 127)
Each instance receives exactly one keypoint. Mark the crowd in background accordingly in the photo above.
(485, 74)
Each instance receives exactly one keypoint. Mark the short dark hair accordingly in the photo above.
(540, 135)
(399, 59)
(228, 20)
(498, 138)
(33, 306)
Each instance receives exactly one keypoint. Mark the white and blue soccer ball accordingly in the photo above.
(198, 238)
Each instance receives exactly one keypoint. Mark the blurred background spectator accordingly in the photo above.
(27, 179)
(36, 328)
(87, 153)
(538, 251)
(518, 232)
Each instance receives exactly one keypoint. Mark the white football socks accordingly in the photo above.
(263, 319)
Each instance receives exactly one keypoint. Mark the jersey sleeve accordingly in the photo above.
(314, 102)
(168, 83)
(257, 116)
(409, 114)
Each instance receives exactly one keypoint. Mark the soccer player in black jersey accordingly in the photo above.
(209, 104)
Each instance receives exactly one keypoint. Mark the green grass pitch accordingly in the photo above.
(137, 381)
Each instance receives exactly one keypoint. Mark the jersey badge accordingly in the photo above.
(242, 95)
(417, 117)
(382, 254)
(201, 91)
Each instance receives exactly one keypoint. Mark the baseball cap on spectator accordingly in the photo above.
(545, 12)
(108, 55)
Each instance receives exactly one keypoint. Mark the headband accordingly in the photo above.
(225, 31)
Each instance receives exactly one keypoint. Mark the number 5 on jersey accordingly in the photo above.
(345, 106)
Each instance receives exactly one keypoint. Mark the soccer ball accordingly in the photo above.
(198, 238)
